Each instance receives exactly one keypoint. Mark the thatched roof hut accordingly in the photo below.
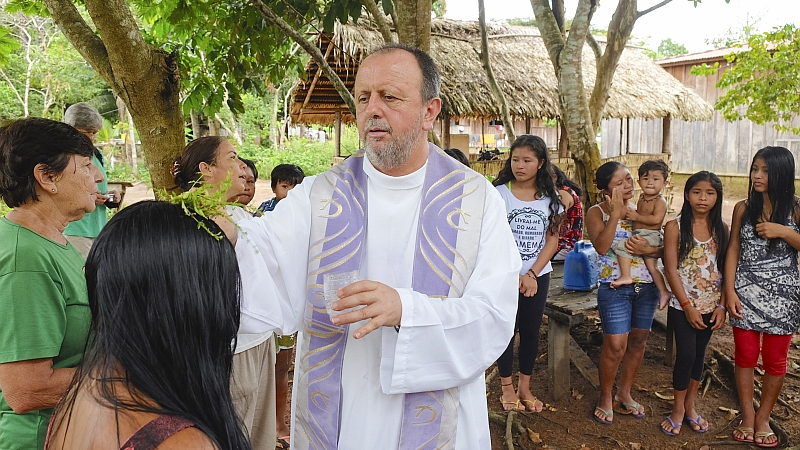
(641, 88)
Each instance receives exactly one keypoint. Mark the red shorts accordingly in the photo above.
(774, 349)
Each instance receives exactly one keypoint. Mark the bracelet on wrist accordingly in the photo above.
(531, 274)
(685, 303)
(722, 307)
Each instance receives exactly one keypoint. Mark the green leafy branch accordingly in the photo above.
(202, 201)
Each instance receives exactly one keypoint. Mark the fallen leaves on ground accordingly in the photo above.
(731, 413)
(576, 395)
(636, 446)
(665, 397)
(534, 436)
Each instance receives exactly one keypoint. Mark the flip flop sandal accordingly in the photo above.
(630, 409)
(746, 431)
(696, 422)
(764, 435)
(609, 416)
(282, 443)
(507, 402)
(532, 404)
(674, 427)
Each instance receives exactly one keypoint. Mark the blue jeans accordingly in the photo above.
(628, 306)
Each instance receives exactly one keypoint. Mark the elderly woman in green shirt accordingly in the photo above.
(48, 179)
(82, 233)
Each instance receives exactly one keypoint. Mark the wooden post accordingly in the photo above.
(627, 136)
(446, 131)
(621, 136)
(666, 139)
(338, 133)
(558, 359)
(527, 125)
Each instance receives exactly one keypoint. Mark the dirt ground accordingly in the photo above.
(569, 424)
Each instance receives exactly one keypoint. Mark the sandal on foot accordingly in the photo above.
(673, 425)
(696, 422)
(745, 431)
(515, 404)
(630, 409)
(763, 435)
(609, 416)
(283, 442)
(530, 405)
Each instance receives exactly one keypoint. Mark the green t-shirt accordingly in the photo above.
(44, 313)
(92, 223)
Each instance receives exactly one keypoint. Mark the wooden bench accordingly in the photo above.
(564, 309)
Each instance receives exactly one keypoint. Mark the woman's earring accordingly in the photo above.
(54, 190)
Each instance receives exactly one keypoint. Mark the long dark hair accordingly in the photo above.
(780, 187)
(715, 224)
(544, 176)
(164, 297)
(563, 180)
(186, 168)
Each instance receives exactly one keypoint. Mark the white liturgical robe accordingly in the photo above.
(442, 343)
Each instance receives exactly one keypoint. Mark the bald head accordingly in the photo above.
(431, 81)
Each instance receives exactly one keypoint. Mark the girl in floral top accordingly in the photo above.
(694, 255)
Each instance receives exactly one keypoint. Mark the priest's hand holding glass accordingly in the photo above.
(381, 304)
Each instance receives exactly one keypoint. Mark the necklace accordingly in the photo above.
(646, 200)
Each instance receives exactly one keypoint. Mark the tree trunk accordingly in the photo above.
(145, 77)
(413, 23)
(487, 66)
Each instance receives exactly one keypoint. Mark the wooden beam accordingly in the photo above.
(323, 110)
(584, 364)
(314, 83)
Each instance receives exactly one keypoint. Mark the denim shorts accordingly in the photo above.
(628, 306)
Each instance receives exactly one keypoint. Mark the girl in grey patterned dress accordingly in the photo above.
(762, 286)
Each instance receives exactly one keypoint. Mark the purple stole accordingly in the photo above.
(448, 235)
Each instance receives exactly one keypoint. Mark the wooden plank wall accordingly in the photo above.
(717, 145)
(723, 147)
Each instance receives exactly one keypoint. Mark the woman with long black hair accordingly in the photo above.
(533, 208)
(164, 298)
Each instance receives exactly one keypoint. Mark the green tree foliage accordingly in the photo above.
(42, 73)
(666, 48)
(232, 53)
(763, 82)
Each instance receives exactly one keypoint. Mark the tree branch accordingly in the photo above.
(549, 29)
(487, 66)
(379, 18)
(16, 93)
(598, 52)
(619, 30)
(82, 37)
(127, 50)
(652, 8)
(312, 50)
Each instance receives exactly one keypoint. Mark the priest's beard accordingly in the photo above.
(397, 150)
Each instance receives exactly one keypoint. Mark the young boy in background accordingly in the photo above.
(283, 179)
(648, 217)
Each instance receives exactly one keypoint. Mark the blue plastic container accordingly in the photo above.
(581, 268)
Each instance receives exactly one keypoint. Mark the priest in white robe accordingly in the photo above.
(440, 273)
